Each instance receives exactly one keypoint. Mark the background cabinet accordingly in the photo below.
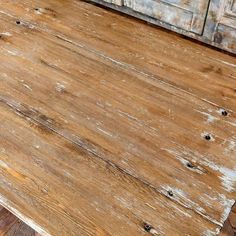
(225, 31)
(210, 21)
(188, 15)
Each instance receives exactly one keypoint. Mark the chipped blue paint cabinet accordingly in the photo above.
(210, 21)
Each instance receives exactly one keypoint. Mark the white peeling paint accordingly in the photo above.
(211, 233)
(3, 165)
(154, 232)
(37, 146)
(220, 111)
(60, 87)
(224, 202)
(228, 176)
(105, 132)
(27, 86)
(210, 118)
(228, 204)
(182, 212)
(6, 34)
(184, 161)
(39, 12)
(13, 53)
(184, 199)
(207, 200)
(227, 63)
(231, 146)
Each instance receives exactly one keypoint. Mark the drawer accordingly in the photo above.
(188, 15)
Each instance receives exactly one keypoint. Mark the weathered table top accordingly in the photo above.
(108, 124)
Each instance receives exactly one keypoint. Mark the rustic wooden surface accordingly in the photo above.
(11, 226)
(108, 124)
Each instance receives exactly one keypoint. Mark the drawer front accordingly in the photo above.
(188, 15)
(225, 33)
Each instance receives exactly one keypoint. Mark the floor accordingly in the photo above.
(11, 226)
(229, 228)
(111, 126)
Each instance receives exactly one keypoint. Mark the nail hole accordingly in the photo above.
(224, 113)
(18, 22)
(147, 227)
(190, 165)
(170, 193)
(36, 9)
(208, 137)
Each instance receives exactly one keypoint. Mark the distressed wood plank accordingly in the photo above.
(68, 191)
(196, 69)
(102, 127)
(144, 122)
(131, 117)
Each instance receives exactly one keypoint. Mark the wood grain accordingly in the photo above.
(110, 119)
(69, 191)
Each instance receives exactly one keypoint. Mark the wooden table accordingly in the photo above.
(110, 126)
